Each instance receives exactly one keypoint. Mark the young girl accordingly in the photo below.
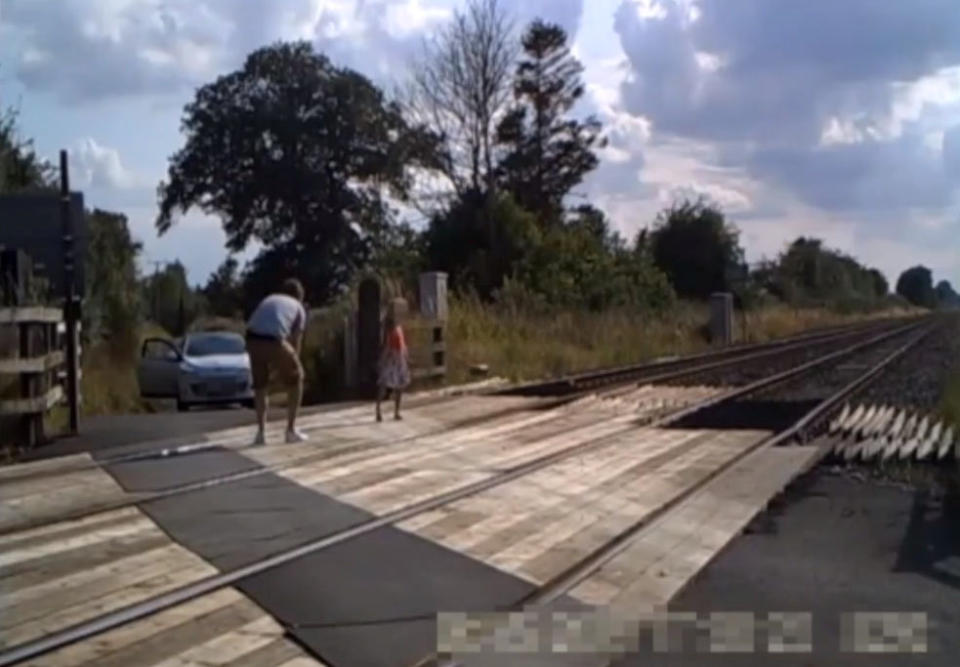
(394, 372)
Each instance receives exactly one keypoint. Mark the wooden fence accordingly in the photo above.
(31, 354)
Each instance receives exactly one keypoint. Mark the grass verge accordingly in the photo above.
(523, 346)
(512, 342)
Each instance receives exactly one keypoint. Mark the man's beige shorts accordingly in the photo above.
(273, 356)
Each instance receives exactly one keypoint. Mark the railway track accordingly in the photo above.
(549, 397)
(583, 440)
(557, 391)
(543, 597)
(694, 363)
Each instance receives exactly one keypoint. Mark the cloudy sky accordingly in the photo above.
(838, 119)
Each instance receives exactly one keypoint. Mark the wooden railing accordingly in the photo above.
(30, 357)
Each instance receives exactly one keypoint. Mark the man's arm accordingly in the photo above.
(296, 339)
(296, 334)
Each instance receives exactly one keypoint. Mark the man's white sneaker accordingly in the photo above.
(296, 436)
(260, 439)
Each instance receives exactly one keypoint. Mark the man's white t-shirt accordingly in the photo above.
(277, 316)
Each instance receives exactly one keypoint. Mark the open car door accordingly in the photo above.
(159, 369)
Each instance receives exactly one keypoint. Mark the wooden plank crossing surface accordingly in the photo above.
(30, 500)
(534, 527)
(540, 525)
(662, 559)
(224, 628)
(60, 575)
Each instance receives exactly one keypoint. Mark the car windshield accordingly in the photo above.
(211, 344)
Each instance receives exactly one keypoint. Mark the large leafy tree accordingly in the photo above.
(583, 263)
(947, 297)
(807, 272)
(399, 253)
(548, 153)
(916, 286)
(697, 248)
(113, 303)
(297, 154)
(480, 241)
(223, 291)
(879, 281)
(20, 166)
(810, 270)
(170, 301)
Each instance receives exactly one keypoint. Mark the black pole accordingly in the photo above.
(181, 316)
(69, 304)
(153, 290)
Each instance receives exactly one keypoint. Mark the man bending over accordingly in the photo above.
(274, 335)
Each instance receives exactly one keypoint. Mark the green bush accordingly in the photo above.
(809, 274)
(480, 241)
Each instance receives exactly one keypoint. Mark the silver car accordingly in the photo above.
(210, 368)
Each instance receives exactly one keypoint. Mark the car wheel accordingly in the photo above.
(182, 406)
(249, 404)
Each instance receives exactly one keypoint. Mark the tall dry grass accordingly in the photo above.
(517, 343)
(108, 384)
(524, 345)
(779, 321)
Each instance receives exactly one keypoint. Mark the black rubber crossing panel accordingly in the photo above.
(160, 474)
(369, 601)
(235, 524)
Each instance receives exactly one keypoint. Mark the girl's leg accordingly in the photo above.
(396, 404)
(380, 394)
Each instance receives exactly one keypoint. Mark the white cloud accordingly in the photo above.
(650, 9)
(731, 200)
(840, 120)
(96, 166)
(86, 50)
(951, 151)
(832, 119)
(913, 99)
(413, 16)
(140, 47)
(845, 131)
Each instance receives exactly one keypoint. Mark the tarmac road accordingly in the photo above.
(836, 546)
(147, 431)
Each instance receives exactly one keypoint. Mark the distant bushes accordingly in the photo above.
(808, 273)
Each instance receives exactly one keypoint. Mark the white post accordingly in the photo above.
(433, 308)
(721, 318)
(433, 296)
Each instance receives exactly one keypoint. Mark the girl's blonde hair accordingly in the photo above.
(394, 311)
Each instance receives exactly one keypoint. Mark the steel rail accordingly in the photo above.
(560, 390)
(183, 594)
(546, 403)
(631, 372)
(565, 581)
